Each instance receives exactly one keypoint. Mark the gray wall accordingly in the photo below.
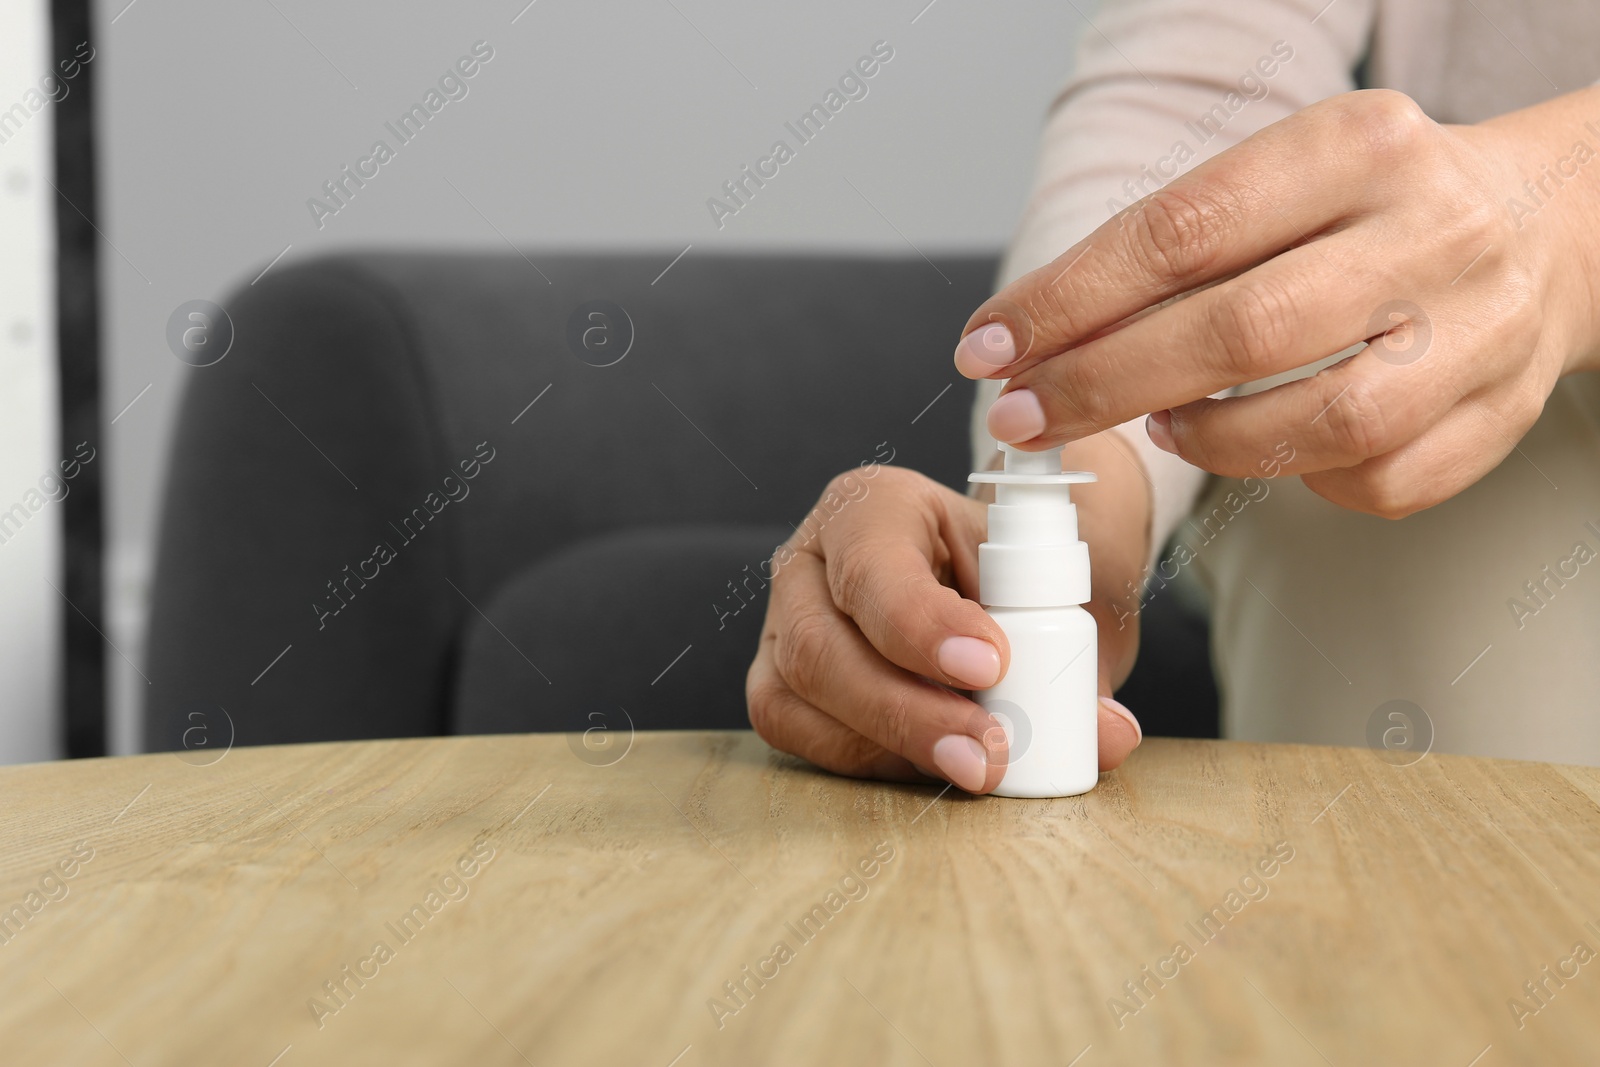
(31, 486)
(594, 125)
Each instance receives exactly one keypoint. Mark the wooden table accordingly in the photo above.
(704, 900)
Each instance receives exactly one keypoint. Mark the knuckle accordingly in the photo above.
(1522, 309)
(1480, 225)
(1387, 122)
(1527, 407)
(832, 513)
(762, 700)
(1366, 491)
(842, 481)
(856, 484)
(896, 721)
(1073, 400)
(849, 573)
(842, 488)
(1178, 234)
(1251, 324)
(1054, 312)
(1357, 425)
(1389, 496)
(802, 651)
(842, 753)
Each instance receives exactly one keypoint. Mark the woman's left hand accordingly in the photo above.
(1467, 256)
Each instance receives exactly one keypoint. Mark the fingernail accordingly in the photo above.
(960, 759)
(971, 661)
(1118, 709)
(1016, 416)
(984, 349)
(1159, 426)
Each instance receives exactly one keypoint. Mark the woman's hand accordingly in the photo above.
(872, 628)
(1355, 219)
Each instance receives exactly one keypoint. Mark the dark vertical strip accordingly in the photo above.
(78, 347)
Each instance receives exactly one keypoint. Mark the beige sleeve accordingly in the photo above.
(1159, 86)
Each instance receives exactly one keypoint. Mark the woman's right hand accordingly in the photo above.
(873, 627)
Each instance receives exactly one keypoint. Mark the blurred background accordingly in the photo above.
(594, 126)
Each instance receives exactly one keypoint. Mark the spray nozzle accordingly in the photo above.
(1032, 468)
(1020, 462)
(1032, 556)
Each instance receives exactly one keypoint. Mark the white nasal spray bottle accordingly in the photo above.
(1033, 579)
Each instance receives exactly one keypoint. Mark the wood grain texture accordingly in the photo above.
(608, 905)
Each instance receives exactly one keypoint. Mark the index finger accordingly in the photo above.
(1231, 212)
(881, 567)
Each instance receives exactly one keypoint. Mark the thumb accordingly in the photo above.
(1119, 733)
(1119, 729)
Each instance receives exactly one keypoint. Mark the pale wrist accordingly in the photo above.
(1553, 150)
(1114, 515)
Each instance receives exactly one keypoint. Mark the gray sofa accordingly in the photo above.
(369, 532)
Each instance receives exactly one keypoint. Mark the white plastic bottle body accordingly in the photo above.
(1048, 701)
